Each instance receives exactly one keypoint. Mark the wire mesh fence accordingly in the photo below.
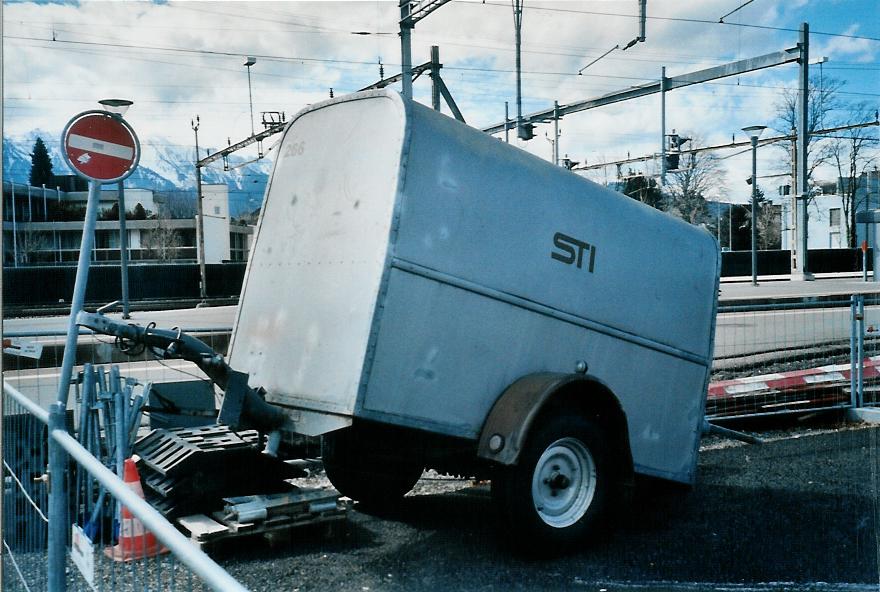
(105, 536)
(781, 358)
(868, 351)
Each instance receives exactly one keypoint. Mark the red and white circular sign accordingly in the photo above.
(100, 147)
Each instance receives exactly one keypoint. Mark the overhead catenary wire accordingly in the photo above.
(740, 7)
(689, 20)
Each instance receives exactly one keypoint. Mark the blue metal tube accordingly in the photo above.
(121, 434)
(211, 574)
(79, 290)
(58, 520)
(85, 403)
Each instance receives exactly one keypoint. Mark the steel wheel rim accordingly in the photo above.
(564, 483)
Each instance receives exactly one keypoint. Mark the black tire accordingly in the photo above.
(545, 508)
(359, 468)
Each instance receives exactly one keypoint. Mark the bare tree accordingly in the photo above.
(852, 156)
(162, 241)
(30, 244)
(700, 177)
(823, 99)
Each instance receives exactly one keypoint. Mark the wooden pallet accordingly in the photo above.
(306, 507)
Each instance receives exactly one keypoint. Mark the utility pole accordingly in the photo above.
(663, 83)
(506, 127)
(248, 62)
(200, 219)
(517, 25)
(435, 77)
(794, 245)
(555, 133)
(802, 191)
(406, 26)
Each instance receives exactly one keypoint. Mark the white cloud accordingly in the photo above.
(305, 48)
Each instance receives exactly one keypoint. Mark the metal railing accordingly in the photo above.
(52, 488)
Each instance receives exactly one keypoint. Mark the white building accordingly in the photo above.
(827, 221)
(44, 227)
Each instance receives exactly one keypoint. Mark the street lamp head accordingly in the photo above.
(250, 61)
(116, 106)
(754, 131)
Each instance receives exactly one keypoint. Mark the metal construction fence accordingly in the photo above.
(69, 521)
(95, 542)
(794, 357)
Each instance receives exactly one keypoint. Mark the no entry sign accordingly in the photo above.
(100, 146)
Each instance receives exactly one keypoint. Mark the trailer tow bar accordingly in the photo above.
(243, 407)
(711, 428)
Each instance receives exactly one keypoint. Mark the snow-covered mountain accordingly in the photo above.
(164, 166)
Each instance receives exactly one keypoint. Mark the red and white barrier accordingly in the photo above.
(791, 381)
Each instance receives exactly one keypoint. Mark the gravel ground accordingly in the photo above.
(802, 508)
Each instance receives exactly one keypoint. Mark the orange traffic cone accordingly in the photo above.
(135, 541)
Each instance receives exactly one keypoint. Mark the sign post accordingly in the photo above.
(103, 148)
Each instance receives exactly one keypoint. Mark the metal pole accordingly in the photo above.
(119, 410)
(506, 127)
(861, 346)
(853, 353)
(30, 205)
(123, 250)
(435, 74)
(45, 205)
(556, 133)
(803, 140)
(754, 210)
(517, 25)
(58, 522)
(79, 291)
(406, 49)
(662, 126)
(200, 221)
(730, 226)
(250, 100)
(14, 229)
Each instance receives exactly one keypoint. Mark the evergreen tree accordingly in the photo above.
(643, 189)
(41, 165)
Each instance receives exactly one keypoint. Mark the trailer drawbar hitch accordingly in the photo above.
(243, 407)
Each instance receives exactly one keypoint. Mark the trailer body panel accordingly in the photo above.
(316, 266)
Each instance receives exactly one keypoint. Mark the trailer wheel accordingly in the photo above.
(357, 467)
(558, 493)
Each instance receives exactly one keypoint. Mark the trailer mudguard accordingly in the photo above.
(510, 420)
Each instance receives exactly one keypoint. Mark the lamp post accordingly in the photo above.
(250, 61)
(118, 107)
(754, 132)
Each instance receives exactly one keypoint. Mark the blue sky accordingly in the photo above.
(179, 59)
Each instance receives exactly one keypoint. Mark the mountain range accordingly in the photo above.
(164, 166)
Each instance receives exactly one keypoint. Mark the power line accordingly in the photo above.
(689, 20)
(209, 52)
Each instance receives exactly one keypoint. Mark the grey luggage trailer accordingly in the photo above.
(422, 294)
